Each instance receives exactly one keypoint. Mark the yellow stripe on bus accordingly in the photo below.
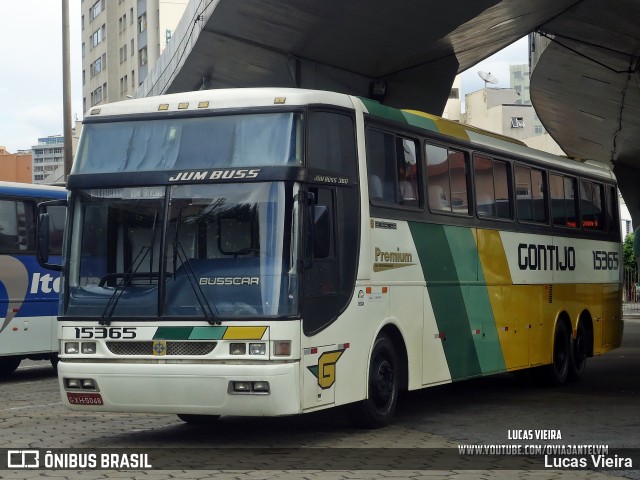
(244, 333)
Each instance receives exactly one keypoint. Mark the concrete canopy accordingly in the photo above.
(414, 47)
(586, 88)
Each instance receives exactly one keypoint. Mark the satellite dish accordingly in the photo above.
(487, 77)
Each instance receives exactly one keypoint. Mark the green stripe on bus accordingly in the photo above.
(479, 312)
(379, 110)
(172, 333)
(207, 333)
(447, 295)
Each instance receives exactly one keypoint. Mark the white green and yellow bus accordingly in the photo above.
(280, 251)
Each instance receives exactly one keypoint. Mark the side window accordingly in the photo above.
(530, 194)
(591, 205)
(446, 180)
(563, 200)
(332, 144)
(491, 180)
(17, 229)
(392, 163)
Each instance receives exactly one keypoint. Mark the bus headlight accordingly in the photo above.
(237, 348)
(88, 347)
(71, 347)
(257, 349)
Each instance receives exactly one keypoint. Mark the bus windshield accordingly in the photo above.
(210, 251)
(225, 141)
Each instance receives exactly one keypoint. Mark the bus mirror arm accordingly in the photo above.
(42, 237)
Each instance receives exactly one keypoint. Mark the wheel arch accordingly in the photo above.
(586, 320)
(394, 333)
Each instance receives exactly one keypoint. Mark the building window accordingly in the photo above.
(96, 9)
(142, 23)
(517, 122)
(142, 55)
(98, 36)
(123, 53)
(132, 48)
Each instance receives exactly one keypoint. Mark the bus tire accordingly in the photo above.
(378, 408)
(579, 353)
(8, 365)
(202, 420)
(54, 361)
(558, 371)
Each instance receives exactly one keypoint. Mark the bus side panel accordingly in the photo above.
(28, 305)
(460, 303)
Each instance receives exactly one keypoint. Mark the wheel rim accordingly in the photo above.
(383, 385)
(580, 351)
(560, 354)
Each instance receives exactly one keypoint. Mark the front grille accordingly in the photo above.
(173, 348)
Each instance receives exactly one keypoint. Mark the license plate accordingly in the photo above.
(84, 398)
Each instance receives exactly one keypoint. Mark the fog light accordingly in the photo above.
(89, 384)
(88, 347)
(237, 348)
(261, 387)
(71, 347)
(73, 382)
(257, 348)
(282, 348)
(242, 386)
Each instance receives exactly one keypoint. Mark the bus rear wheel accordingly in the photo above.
(8, 365)
(377, 409)
(202, 420)
(558, 371)
(579, 353)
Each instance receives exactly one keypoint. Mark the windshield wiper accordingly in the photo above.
(128, 276)
(119, 289)
(210, 312)
(178, 251)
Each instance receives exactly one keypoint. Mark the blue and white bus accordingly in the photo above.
(28, 292)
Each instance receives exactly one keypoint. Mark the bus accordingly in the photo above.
(28, 292)
(271, 251)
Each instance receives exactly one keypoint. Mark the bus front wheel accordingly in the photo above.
(8, 365)
(559, 368)
(377, 409)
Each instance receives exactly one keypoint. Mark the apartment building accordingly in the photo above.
(121, 41)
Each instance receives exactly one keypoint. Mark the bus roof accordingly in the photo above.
(221, 99)
(32, 190)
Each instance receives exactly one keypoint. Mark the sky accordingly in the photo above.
(31, 70)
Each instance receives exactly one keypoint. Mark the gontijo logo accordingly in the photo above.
(325, 370)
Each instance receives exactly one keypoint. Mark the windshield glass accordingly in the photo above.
(229, 250)
(226, 141)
